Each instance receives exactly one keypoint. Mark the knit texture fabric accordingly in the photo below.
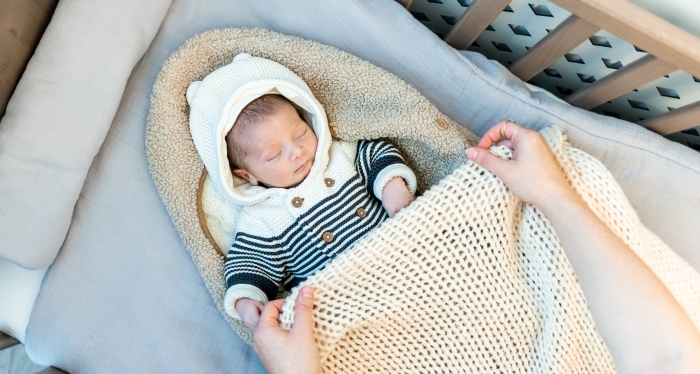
(466, 279)
(471, 279)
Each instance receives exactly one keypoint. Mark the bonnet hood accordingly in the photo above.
(217, 100)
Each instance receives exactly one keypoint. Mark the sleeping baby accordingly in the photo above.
(304, 197)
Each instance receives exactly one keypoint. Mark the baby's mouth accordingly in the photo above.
(300, 168)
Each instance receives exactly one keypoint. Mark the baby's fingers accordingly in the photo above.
(505, 142)
(260, 307)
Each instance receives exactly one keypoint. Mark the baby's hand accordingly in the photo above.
(396, 196)
(249, 310)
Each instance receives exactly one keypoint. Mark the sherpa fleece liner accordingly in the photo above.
(361, 101)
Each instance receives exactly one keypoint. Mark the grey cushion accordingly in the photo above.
(123, 295)
(59, 116)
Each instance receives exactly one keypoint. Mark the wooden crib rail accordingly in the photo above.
(565, 37)
(670, 48)
(628, 21)
(478, 16)
(675, 120)
(638, 73)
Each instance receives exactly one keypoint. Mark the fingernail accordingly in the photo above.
(307, 292)
(472, 153)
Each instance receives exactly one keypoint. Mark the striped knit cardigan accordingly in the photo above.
(289, 236)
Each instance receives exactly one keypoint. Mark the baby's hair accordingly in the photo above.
(253, 113)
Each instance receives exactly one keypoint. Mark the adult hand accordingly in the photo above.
(640, 321)
(532, 174)
(293, 351)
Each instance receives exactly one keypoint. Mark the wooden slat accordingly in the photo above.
(405, 3)
(565, 37)
(475, 19)
(22, 22)
(675, 120)
(660, 38)
(634, 75)
(6, 341)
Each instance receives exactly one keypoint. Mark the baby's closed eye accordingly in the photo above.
(275, 156)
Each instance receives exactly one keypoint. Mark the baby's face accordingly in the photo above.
(281, 150)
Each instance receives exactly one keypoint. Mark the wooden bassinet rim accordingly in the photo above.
(200, 212)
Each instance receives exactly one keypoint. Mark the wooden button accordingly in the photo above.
(361, 212)
(329, 182)
(297, 202)
(327, 236)
(441, 124)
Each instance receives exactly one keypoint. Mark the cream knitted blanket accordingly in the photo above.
(471, 279)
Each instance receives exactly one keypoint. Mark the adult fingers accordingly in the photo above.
(303, 310)
(271, 313)
(503, 129)
(488, 161)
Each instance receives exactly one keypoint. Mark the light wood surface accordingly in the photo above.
(473, 21)
(405, 3)
(620, 82)
(565, 37)
(202, 216)
(641, 28)
(675, 120)
(22, 22)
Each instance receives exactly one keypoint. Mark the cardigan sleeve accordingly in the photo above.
(378, 162)
(254, 268)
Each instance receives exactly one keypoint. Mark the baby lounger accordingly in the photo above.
(466, 278)
(361, 102)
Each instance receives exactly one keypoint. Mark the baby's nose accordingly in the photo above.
(296, 152)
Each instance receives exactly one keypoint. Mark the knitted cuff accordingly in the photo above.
(391, 171)
(240, 291)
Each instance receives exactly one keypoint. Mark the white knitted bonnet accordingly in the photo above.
(217, 100)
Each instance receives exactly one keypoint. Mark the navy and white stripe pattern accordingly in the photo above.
(373, 157)
(297, 251)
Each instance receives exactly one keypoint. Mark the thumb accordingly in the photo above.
(488, 160)
(303, 310)
(270, 313)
